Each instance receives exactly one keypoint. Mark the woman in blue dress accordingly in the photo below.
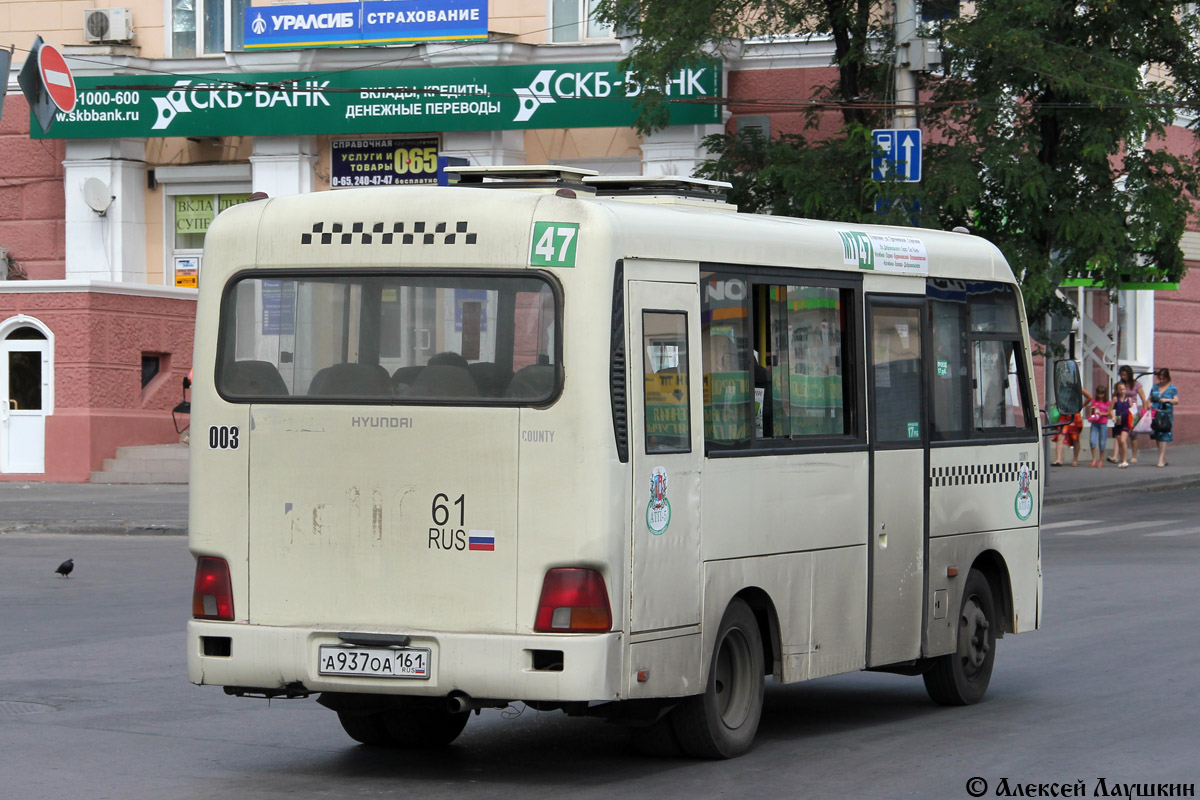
(1163, 398)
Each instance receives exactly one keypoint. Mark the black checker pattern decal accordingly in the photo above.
(980, 474)
(386, 233)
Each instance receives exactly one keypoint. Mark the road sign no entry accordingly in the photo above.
(56, 76)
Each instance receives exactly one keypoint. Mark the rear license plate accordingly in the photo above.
(374, 662)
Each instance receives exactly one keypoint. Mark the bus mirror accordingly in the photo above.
(1068, 390)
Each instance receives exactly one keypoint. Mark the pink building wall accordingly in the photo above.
(99, 404)
(32, 205)
(1177, 347)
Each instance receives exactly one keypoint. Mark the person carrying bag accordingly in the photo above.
(1164, 396)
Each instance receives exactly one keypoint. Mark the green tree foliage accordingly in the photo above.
(1044, 131)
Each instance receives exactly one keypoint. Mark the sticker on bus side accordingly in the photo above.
(658, 510)
(1023, 504)
(553, 244)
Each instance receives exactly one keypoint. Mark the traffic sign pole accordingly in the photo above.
(905, 115)
(41, 107)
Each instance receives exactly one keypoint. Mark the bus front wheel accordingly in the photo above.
(961, 678)
(721, 723)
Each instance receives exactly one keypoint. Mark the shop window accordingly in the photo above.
(575, 20)
(189, 218)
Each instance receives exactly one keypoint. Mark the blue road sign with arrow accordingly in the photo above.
(898, 155)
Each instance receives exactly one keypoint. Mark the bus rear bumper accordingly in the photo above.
(543, 667)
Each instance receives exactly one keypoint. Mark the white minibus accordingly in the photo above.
(601, 445)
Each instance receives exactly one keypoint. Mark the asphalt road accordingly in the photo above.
(95, 703)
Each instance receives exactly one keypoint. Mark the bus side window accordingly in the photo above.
(804, 344)
(728, 383)
(978, 381)
(775, 356)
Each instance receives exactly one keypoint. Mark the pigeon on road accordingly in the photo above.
(64, 569)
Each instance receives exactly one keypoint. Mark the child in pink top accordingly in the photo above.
(1098, 413)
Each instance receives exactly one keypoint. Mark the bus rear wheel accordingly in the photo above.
(961, 678)
(721, 723)
(424, 723)
(365, 729)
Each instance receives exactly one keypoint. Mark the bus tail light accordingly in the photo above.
(573, 601)
(212, 597)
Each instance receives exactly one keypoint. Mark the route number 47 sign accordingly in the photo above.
(553, 244)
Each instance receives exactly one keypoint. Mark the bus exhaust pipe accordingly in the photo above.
(461, 702)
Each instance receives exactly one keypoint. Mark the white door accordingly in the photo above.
(667, 446)
(24, 378)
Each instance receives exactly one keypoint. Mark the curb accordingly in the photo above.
(1053, 498)
(107, 528)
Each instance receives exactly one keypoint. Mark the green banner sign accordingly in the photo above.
(589, 95)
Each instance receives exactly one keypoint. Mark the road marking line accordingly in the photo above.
(1128, 526)
(1071, 523)
(1184, 532)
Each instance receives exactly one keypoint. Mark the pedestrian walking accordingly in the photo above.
(1068, 435)
(1099, 412)
(1164, 396)
(1137, 405)
(1121, 425)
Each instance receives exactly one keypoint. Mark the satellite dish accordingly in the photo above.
(96, 195)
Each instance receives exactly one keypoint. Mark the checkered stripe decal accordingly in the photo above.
(395, 233)
(974, 474)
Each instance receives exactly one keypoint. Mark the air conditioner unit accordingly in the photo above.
(107, 25)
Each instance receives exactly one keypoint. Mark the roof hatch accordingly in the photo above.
(547, 177)
(665, 189)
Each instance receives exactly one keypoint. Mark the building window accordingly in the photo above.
(151, 366)
(202, 27)
(575, 20)
(939, 10)
(754, 125)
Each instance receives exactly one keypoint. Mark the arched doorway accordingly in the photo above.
(27, 383)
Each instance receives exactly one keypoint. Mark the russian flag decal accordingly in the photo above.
(481, 540)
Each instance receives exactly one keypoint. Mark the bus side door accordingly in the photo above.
(897, 547)
(665, 441)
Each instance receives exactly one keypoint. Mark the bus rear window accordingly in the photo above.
(390, 338)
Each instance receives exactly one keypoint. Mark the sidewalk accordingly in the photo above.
(31, 507)
(1067, 484)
